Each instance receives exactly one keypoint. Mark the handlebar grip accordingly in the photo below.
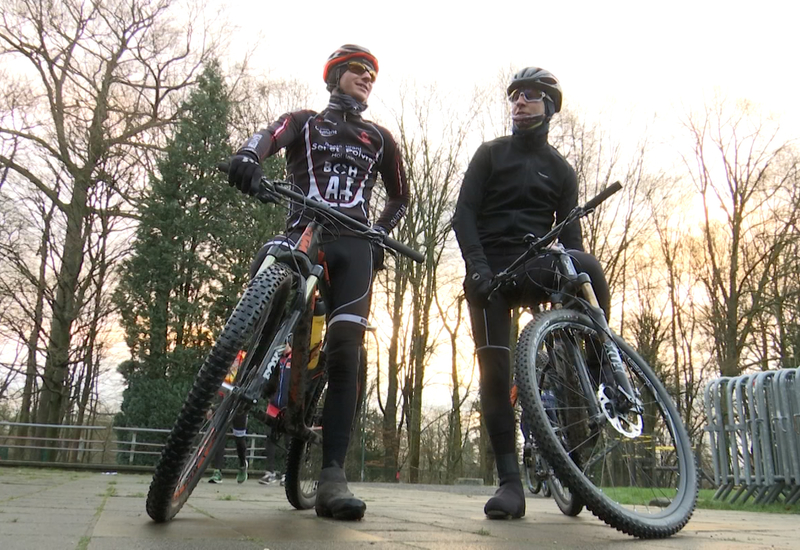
(602, 195)
(404, 249)
(223, 167)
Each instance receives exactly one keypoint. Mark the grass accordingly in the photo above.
(83, 544)
(227, 497)
(483, 532)
(705, 500)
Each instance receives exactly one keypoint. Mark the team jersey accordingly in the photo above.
(335, 157)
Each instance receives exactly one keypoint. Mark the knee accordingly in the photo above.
(591, 266)
(258, 260)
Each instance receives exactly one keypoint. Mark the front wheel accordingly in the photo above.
(191, 444)
(632, 466)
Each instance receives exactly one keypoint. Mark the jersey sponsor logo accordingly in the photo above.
(340, 191)
(356, 152)
(340, 168)
(327, 132)
(325, 146)
(364, 137)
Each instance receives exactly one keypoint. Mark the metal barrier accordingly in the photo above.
(97, 445)
(753, 423)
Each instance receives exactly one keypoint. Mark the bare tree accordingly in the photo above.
(96, 84)
(739, 168)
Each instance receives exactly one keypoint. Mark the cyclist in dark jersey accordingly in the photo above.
(514, 185)
(335, 156)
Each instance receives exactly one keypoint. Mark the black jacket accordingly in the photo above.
(513, 186)
(335, 157)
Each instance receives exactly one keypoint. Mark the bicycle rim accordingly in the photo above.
(304, 459)
(211, 436)
(644, 485)
(569, 503)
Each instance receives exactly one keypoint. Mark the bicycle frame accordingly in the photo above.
(310, 277)
(576, 289)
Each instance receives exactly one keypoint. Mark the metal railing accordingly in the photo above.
(753, 423)
(117, 446)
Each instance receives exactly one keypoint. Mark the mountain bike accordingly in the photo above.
(612, 433)
(274, 315)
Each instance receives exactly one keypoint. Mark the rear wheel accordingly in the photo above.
(304, 459)
(633, 467)
(569, 503)
(532, 481)
(191, 443)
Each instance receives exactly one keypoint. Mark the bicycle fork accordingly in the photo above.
(609, 402)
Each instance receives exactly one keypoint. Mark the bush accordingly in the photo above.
(149, 403)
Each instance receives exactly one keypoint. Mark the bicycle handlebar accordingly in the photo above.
(269, 189)
(601, 196)
(538, 244)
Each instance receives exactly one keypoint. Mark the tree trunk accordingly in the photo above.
(56, 366)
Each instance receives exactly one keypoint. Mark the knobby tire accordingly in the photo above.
(181, 466)
(590, 460)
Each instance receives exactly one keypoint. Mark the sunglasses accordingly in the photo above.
(528, 95)
(359, 68)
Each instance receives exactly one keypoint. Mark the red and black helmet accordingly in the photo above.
(343, 55)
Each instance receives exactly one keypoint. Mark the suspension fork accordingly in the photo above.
(296, 407)
(620, 377)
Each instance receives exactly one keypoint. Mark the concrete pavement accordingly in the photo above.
(48, 509)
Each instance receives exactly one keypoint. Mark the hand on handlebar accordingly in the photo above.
(245, 173)
(478, 284)
(376, 236)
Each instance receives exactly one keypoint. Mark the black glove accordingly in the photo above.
(378, 255)
(478, 283)
(245, 172)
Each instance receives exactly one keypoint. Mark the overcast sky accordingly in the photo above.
(643, 53)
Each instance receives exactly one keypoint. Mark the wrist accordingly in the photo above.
(247, 152)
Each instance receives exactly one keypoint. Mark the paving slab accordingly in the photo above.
(51, 509)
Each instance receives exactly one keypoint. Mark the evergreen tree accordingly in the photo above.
(192, 250)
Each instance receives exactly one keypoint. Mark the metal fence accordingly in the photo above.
(111, 446)
(753, 423)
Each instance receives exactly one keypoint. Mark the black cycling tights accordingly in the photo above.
(491, 328)
(344, 345)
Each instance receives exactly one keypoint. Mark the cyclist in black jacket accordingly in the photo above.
(514, 185)
(335, 156)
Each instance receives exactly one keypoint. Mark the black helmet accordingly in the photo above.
(539, 79)
(342, 55)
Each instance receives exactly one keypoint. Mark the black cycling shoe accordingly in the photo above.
(508, 501)
(334, 499)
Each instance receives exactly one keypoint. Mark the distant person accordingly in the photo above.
(514, 185)
(240, 437)
(335, 156)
